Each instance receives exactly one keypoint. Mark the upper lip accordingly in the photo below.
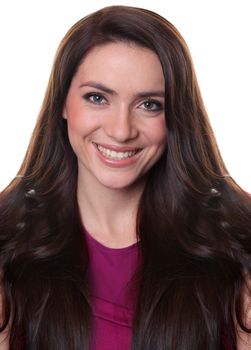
(118, 148)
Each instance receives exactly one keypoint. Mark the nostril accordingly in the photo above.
(121, 130)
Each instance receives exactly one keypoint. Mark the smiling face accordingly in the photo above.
(115, 114)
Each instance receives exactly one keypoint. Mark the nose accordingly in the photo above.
(120, 125)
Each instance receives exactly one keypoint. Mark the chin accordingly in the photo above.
(122, 184)
(117, 186)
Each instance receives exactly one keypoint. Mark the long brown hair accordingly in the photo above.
(194, 222)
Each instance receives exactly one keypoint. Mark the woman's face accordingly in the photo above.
(115, 114)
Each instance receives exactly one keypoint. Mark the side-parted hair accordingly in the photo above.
(193, 223)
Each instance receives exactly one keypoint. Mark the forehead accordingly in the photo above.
(121, 62)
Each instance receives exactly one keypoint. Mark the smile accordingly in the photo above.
(112, 154)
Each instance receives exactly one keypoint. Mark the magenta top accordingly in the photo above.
(113, 293)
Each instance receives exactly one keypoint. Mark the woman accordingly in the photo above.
(123, 229)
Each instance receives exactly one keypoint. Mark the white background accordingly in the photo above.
(218, 33)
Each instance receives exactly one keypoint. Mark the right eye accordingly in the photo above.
(95, 98)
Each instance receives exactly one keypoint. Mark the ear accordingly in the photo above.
(64, 115)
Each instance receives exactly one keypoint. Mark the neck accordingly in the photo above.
(109, 215)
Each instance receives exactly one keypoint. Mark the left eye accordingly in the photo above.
(152, 105)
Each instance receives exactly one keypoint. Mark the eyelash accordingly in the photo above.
(89, 97)
(158, 105)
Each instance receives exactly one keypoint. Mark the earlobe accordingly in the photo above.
(64, 114)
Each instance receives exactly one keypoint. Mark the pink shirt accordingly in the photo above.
(113, 293)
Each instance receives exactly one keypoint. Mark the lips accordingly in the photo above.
(117, 153)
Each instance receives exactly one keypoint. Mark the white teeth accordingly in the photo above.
(115, 155)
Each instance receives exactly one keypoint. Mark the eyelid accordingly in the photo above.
(159, 104)
(87, 96)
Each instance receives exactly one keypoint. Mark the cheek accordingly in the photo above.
(82, 123)
(80, 119)
(75, 124)
(158, 133)
(75, 114)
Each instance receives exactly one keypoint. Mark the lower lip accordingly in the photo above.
(116, 163)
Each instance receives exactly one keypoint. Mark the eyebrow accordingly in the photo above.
(142, 94)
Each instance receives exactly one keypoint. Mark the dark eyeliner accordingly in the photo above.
(159, 105)
(88, 96)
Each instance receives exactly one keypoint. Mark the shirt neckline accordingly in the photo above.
(91, 240)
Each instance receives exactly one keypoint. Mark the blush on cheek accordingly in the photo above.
(159, 133)
(73, 123)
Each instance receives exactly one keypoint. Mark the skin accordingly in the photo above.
(120, 119)
(115, 104)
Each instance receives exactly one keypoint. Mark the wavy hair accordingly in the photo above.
(193, 222)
